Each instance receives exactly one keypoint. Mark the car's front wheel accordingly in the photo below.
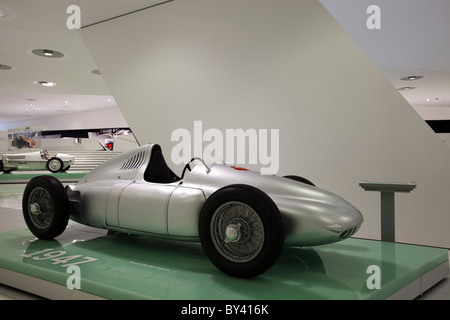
(45, 207)
(241, 230)
(54, 165)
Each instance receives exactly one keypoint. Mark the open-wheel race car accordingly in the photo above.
(36, 160)
(243, 219)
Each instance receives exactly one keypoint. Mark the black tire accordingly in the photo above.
(241, 230)
(2, 168)
(54, 165)
(45, 207)
(300, 179)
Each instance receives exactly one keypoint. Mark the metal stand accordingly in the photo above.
(387, 191)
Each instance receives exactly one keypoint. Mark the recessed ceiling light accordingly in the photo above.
(4, 67)
(96, 72)
(48, 53)
(406, 88)
(411, 78)
(47, 83)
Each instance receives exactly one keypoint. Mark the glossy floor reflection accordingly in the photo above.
(131, 267)
(135, 267)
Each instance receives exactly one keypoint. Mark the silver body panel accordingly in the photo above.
(116, 196)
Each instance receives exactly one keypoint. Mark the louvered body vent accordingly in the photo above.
(349, 232)
(134, 162)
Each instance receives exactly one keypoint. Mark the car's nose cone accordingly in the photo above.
(315, 216)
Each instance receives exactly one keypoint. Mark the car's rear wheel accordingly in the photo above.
(45, 207)
(2, 168)
(241, 230)
(54, 165)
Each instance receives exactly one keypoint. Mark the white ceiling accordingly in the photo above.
(413, 40)
(42, 24)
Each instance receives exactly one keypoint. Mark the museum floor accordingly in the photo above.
(11, 221)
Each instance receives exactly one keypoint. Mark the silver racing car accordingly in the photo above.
(243, 219)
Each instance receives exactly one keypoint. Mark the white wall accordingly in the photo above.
(105, 118)
(445, 138)
(286, 65)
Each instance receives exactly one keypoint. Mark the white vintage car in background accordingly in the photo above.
(36, 160)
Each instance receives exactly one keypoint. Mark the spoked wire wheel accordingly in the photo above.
(241, 230)
(237, 232)
(45, 207)
(41, 208)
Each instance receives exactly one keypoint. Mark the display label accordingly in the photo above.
(59, 257)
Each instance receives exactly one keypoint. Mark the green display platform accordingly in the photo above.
(24, 177)
(130, 267)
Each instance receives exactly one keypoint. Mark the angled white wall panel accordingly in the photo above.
(286, 65)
